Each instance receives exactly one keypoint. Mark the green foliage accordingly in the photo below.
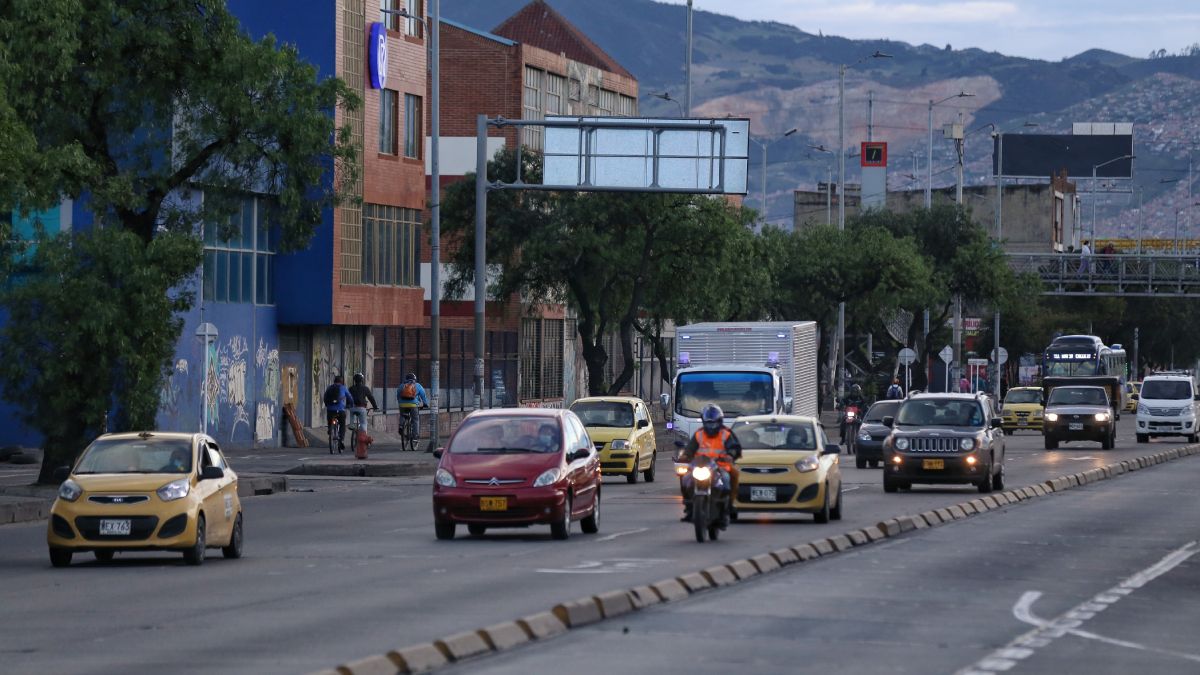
(91, 328)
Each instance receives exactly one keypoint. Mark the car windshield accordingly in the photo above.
(1024, 396)
(940, 412)
(604, 414)
(775, 436)
(1175, 390)
(881, 410)
(508, 434)
(137, 455)
(1078, 396)
(736, 393)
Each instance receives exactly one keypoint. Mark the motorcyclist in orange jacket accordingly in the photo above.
(715, 441)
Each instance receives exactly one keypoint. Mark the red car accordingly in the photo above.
(516, 468)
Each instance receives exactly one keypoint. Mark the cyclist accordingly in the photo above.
(411, 395)
(362, 396)
(337, 398)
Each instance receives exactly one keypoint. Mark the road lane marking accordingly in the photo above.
(1045, 632)
(611, 566)
(622, 534)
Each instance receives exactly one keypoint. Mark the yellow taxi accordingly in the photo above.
(787, 465)
(1023, 408)
(1133, 391)
(147, 491)
(621, 430)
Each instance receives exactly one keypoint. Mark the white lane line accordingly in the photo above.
(1069, 623)
(622, 534)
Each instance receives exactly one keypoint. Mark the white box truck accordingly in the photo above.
(750, 368)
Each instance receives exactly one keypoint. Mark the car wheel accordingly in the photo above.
(476, 530)
(195, 554)
(60, 557)
(700, 516)
(1051, 443)
(836, 512)
(591, 524)
(444, 529)
(632, 476)
(562, 529)
(985, 485)
(1143, 438)
(233, 550)
(859, 462)
(103, 555)
(648, 474)
(875, 463)
(998, 479)
(1194, 438)
(822, 516)
(889, 485)
(1107, 442)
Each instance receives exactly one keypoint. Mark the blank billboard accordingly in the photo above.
(1044, 155)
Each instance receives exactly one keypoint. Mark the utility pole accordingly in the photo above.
(687, 84)
(435, 229)
(871, 115)
(960, 141)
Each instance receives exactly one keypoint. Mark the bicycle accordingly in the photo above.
(408, 439)
(334, 428)
(352, 426)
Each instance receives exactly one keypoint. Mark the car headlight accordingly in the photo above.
(810, 463)
(69, 491)
(902, 444)
(445, 478)
(966, 444)
(702, 473)
(620, 444)
(1051, 417)
(176, 489)
(1143, 410)
(864, 436)
(548, 477)
(1101, 417)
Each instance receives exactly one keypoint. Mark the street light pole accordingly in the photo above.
(763, 146)
(1094, 168)
(687, 86)
(929, 155)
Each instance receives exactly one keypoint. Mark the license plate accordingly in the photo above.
(933, 464)
(1022, 423)
(1075, 426)
(493, 503)
(762, 494)
(115, 528)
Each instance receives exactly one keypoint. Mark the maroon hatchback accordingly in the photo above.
(516, 468)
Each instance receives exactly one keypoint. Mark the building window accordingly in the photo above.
(607, 103)
(556, 86)
(395, 22)
(626, 105)
(414, 117)
(541, 359)
(239, 269)
(387, 121)
(415, 8)
(390, 245)
(532, 104)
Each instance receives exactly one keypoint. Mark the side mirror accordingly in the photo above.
(665, 400)
(832, 449)
(996, 423)
(642, 424)
(62, 473)
(787, 404)
(212, 473)
(888, 421)
(437, 454)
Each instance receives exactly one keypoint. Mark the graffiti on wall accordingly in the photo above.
(267, 361)
(212, 386)
(173, 387)
(233, 367)
(264, 421)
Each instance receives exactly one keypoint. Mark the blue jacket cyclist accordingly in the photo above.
(337, 399)
(411, 395)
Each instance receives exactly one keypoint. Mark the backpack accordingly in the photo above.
(408, 390)
(332, 395)
(894, 391)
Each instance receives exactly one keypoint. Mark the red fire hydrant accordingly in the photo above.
(364, 441)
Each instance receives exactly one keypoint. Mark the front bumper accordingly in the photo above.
(1018, 423)
(1089, 431)
(617, 461)
(872, 449)
(76, 526)
(792, 491)
(923, 467)
(523, 506)
(1166, 426)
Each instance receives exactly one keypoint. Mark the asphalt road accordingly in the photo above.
(343, 568)
(1102, 579)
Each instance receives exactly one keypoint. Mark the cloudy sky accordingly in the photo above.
(1034, 28)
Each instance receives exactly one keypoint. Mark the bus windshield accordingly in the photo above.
(1071, 364)
(736, 393)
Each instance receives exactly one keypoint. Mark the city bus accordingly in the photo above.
(1086, 356)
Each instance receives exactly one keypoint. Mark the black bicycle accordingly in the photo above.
(408, 436)
(335, 432)
(352, 425)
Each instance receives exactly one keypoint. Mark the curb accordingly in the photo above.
(362, 469)
(590, 610)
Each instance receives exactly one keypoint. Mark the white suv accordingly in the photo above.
(1167, 407)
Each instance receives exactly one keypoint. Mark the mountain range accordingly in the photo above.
(783, 78)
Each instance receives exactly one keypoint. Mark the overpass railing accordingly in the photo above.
(1112, 274)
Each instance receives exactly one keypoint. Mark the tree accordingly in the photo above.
(127, 104)
(623, 262)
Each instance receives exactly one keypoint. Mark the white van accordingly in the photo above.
(1167, 407)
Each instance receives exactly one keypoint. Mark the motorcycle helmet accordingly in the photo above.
(855, 390)
(712, 418)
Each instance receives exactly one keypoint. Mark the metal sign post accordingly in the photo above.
(947, 355)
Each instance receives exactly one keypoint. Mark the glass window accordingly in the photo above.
(210, 275)
(413, 123)
(234, 269)
(775, 436)
(1176, 390)
(555, 89)
(937, 412)
(604, 414)
(880, 410)
(389, 245)
(508, 434)
(532, 107)
(391, 21)
(737, 393)
(247, 276)
(415, 8)
(1023, 396)
(1078, 396)
(222, 276)
(150, 455)
(388, 100)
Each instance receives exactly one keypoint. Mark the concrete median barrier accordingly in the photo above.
(744, 569)
(765, 563)
(462, 645)
(841, 543)
(420, 658)
(719, 575)
(542, 626)
(616, 603)
(504, 635)
(644, 596)
(857, 537)
(823, 546)
(874, 533)
(806, 552)
(380, 664)
(694, 582)
(670, 590)
(578, 613)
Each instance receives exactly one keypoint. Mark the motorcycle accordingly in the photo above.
(851, 422)
(710, 498)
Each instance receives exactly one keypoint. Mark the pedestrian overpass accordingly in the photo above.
(1156, 275)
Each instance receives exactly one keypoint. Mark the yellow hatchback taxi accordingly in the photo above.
(787, 465)
(1023, 408)
(1133, 391)
(147, 491)
(621, 429)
